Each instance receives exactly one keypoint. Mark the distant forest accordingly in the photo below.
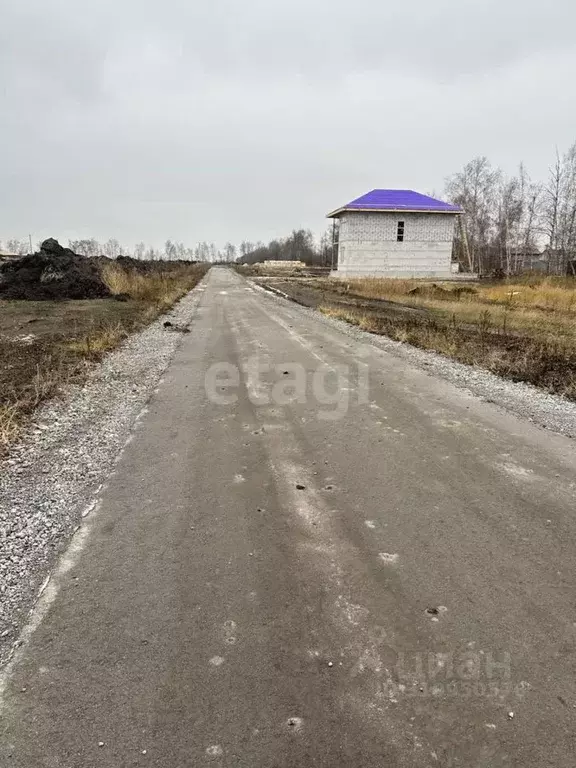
(299, 246)
(510, 223)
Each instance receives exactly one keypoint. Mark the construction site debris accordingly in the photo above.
(53, 273)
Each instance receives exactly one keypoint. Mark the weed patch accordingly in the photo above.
(45, 345)
(548, 363)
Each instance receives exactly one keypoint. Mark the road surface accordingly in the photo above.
(311, 554)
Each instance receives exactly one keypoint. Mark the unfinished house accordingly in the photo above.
(395, 233)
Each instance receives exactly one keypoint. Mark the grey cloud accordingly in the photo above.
(225, 120)
(47, 57)
(445, 37)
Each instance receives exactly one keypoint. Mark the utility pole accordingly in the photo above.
(30, 238)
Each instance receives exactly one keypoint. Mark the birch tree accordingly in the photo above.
(474, 188)
(88, 247)
(559, 219)
(230, 252)
(17, 247)
(169, 250)
(112, 248)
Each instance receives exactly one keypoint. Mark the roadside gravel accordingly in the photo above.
(542, 408)
(51, 477)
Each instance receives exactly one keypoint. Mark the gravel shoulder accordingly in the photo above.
(548, 411)
(260, 585)
(52, 475)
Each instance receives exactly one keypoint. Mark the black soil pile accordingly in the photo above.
(146, 267)
(51, 274)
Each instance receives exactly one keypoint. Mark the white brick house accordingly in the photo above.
(395, 233)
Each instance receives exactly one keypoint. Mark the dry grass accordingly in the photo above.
(524, 329)
(548, 293)
(9, 424)
(544, 359)
(67, 337)
(98, 341)
(366, 322)
(551, 294)
(28, 379)
(159, 288)
(543, 307)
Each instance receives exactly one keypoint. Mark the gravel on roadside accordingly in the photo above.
(546, 410)
(53, 473)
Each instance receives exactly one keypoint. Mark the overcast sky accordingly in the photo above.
(227, 120)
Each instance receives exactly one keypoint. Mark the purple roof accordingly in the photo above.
(397, 200)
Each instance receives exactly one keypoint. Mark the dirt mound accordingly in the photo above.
(51, 274)
(145, 267)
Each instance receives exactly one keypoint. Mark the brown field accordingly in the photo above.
(47, 344)
(524, 330)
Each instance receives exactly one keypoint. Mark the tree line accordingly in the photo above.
(111, 248)
(512, 222)
(300, 245)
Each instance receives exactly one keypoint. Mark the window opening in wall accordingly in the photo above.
(400, 232)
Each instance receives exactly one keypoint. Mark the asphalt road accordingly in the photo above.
(380, 572)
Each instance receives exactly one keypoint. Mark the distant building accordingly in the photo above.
(531, 260)
(395, 233)
(284, 264)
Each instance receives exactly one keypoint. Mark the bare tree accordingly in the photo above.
(501, 225)
(112, 248)
(559, 219)
(327, 245)
(507, 224)
(246, 247)
(180, 251)
(87, 247)
(531, 195)
(202, 252)
(170, 250)
(552, 202)
(474, 189)
(567, 218)
(139, 250)
(230, 252)
(298, 246)
(18, 247)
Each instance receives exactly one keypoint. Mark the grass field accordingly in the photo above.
(544, 307)
(47, 344)
(524, 329)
